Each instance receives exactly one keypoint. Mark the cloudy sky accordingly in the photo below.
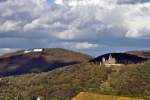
(91, 26)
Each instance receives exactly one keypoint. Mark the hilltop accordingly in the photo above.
(120, 58)
(63, 83)
(145, 53)
(39, 60)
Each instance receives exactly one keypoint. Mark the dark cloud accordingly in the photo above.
(132, 1)
(3, 1)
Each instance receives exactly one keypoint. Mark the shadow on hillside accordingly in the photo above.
(22, 65)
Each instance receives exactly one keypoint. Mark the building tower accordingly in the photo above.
(103, 60)
(111, 60)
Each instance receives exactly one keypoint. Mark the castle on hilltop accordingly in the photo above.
(109, 62)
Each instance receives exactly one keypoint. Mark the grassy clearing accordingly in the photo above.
(92, 96)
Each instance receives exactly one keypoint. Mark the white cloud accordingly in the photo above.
(66, 35)
(78, 22)
(85, 45)
(6, 50)
(137, 21)
(94, 21)
(59, 2)
(35, 25)
(9, 26)
(85, 2)
(111, 20)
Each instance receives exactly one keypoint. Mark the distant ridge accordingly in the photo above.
(121, 58)
(144, 53)
(39, 60)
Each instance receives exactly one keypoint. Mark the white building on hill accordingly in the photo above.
(109, 62)
(27, 51)
(37, 50)
(38, 98)
(34, 50)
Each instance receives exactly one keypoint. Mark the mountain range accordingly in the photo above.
(131, 80)
(144, 53)
(43, 60)
(22, 62)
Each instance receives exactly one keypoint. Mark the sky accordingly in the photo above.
(91, 26)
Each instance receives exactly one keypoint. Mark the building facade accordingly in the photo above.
(109, 61)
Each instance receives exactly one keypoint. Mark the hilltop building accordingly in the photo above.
(109, 62)
(34, 50)
(27, 51)
(38, 98)
(37, 50)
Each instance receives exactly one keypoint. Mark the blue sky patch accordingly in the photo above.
(50, 1)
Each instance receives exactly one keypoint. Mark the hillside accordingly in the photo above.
(121, 58)
(22, 62)
(65, 83)
(145, 53)
(92, 96)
